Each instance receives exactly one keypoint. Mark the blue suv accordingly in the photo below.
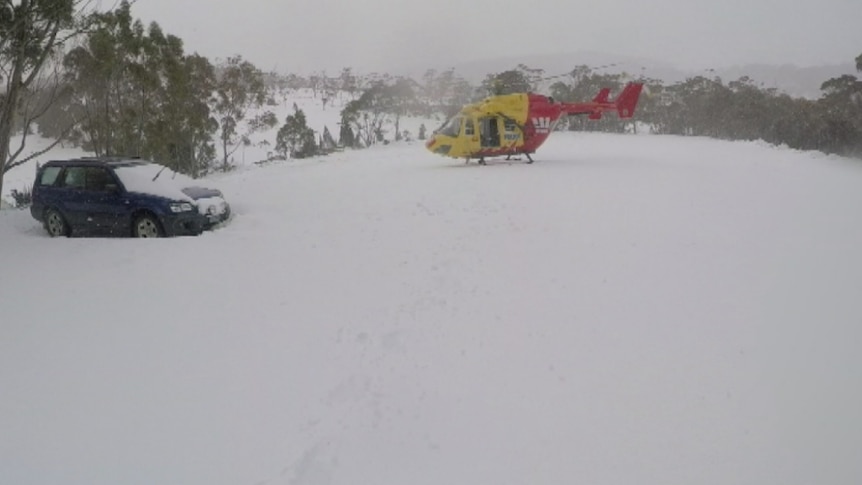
(122, 197)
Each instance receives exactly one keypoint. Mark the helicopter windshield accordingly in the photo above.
(451, 127)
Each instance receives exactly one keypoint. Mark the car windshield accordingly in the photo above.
(152, 178)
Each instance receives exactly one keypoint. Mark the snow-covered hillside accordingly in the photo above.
(628, 309)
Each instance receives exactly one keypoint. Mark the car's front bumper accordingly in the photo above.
(190, 223)
(193, 223)
(183, 224)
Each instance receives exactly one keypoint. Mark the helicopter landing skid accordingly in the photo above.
(530, 160)
(481, 160)
(518, 159)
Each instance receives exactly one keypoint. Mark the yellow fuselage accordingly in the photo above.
(494, 125)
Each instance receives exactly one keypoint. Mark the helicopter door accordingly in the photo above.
(471, 135)
(489, 132)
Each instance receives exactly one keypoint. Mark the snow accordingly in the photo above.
(628, 309)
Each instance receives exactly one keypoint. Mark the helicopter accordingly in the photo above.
(519, 123)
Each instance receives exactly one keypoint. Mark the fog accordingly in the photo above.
(309, 35)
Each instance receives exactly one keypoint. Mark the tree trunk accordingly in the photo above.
(224, 150)
(8, 114)
(397, 127)
(108, 125)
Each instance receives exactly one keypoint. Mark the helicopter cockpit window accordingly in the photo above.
(452, 127)
(511, 126)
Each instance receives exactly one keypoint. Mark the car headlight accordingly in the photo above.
(181, 207)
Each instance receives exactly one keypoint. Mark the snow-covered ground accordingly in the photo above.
(628, 309)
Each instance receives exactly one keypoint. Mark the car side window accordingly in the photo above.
(92, 179)
(49, 175)
(98, 179)
(76, 178)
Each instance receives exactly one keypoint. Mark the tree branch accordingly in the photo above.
(47, 51)
(10, 166)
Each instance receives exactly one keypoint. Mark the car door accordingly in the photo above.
(91, 202)
(46, 190)
(71, 198)
(106, 206)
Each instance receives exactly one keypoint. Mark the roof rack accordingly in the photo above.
(112, 160)
(111, 157)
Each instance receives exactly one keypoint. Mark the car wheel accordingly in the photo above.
(55, 224)
(146, 226)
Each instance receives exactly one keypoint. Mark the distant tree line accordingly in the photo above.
(736, 110)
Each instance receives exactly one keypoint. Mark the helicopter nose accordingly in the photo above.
(440, 147)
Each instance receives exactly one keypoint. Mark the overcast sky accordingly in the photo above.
(308, 35)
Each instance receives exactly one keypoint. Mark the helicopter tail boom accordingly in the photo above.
(624, 104)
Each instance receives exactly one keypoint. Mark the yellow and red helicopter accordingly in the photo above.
(515, 124)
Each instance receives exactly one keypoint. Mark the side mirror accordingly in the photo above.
(112, 188)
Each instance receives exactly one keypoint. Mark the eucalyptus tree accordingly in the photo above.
(139, 94)
(32, 33)
(239, 88)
